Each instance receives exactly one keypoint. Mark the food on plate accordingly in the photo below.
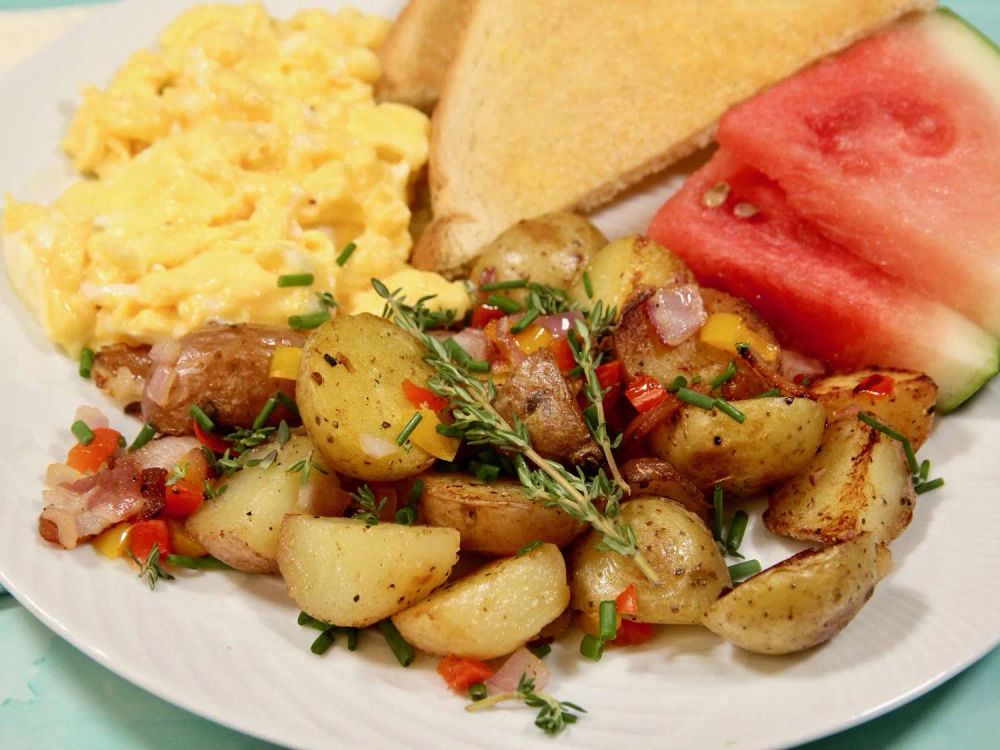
(243, 152)
(800, 602)
(656, 477)
(349, 573)
(859, 482)
(495, 518)
(493, 611)
(418, 50)
(901, 125)
(677, 543)
(827, 303)
(241, 524)
(562, 127)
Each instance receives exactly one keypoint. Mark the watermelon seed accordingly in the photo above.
(745, 210)
(716, 195)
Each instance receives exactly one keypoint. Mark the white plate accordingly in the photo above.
(226, 645)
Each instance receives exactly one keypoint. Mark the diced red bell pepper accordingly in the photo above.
(610, 373)
(423, 398)
(564, 355)
(632, 633)
(627, 602)
(483, 314)
(876, 384)
(645, 392)
(210, 440)
(181, 500)
(91, 457)
(143, 535)
(643, 424)
(460, 672)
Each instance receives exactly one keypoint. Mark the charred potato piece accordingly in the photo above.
(902, 399)
(858, 482)
(495, 518)
(552, 249)
(778, 440)
(350, 394)
(800, 602)
(654, 476)
(679, 547)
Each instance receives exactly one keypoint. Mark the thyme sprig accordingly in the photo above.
(151, 569)
(553, 715)
(371, 510)
(478, 423)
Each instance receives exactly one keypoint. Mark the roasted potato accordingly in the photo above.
(626, 266)
(552, 249)
(640, 349)
(858, 482)
(240, 526)
(350, 394)
(496, 518)
(679, 547)
(800, 602)
(656, 477)
(778, 440)
(344, 572)
(492, 611)
(902, 399)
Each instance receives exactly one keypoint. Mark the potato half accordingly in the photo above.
(800, 602)
(679, 547)
(347, 573)
(493, 611)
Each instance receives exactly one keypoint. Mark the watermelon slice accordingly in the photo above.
(821, 299)
(893, 149)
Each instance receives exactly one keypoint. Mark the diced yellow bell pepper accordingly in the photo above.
(112, 542)
(426, 437)
(285, 362)
(182, 542)
(725, 330)
(533, 338)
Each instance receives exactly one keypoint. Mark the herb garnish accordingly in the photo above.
(177, 473)
(918, 471)
(553, 715)
(151, 568)
(86, 362)
(371, 510)
(304, 467)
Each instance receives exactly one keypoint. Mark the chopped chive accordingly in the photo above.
(496, 286)
(296, 279)
(449, 430)
(737, 527)
(345, 254)
(923, 487)
(456, 352)
(529, 547)
(352, 639)
(308, 621)
(416, 492)
(406, 516)
(326, 299)
(588, 286)
(505, 303)
(726, 375)
(695, 399)
(743, 570)
(770, 393)
(285, 400)
(323, 642)
(911, 457)
(925, 469)
(485, 472)
(402, 650)
(478, 365)
(86, 362)
(729, 410)
(311, 320)
(82, 432)
(265, 413)
(477, 691)
(592, 647)
(404, 435)
(607, 621)
(121, 441)
(197, 563)
(147, 433)
(717, 512)
(677, 383)
(526, 320)
(204, 421)
(541, 650)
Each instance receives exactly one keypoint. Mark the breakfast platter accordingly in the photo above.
(623, 475)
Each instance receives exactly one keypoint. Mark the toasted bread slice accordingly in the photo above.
(564, 104)
(418, 50)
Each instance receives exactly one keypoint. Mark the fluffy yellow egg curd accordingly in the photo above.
(243, 149)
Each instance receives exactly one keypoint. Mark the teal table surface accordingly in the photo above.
(52, 696)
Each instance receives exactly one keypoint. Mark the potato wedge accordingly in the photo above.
(679, 547)
(495, 518)
(800, 602)
(350, 394)
(344, 572)
(907, 407)
(858, 482)
(241, 525)
(656, 477)
(493, 611)
(778, 440)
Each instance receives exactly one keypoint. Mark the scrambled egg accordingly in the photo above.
(243, 149)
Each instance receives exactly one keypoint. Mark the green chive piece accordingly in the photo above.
(496, 286)
(726, 375)
(404, 435)
(592, 647)
(717, 512)
(770, 393)
(608, 621)
(911, 457)
(121, 441)
(920, 489)
(730, 411)
(326, 299)
(485, 473)
(323, 642)
(456, 352)
(352, 639)
(82, 432)
(345, 254)
(312, 320)
(402, 650)
(588, 285)
(477, 691)
(416, 492)
(308, 621)
(197, 563)
(506, 304)
(86, 362)
(296, 279)
(265, 413)
(737, 528)
(285, 400)
(696, 399)
(478, 365)
(406, 516)
(526, 320)
(529, 547)
(925, 469)
(199, 416)
(147, 433)
(677, 383)
(743, 570)
(541, 650)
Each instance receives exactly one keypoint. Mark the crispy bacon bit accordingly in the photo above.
(154, 491)
(642, 425)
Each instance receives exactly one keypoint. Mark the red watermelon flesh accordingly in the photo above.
(821, 299)
(893, 149)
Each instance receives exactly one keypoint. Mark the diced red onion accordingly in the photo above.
(376, 447)
(473, 340)
(677, 313)
(94, 418)
(160, 383)
(794, 365)
(848, 411)
(165, 452)
(520, 662)
(166, 351)
(559, 325)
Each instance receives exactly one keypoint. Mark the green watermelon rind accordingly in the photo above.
(953, 16)
(974, 384)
